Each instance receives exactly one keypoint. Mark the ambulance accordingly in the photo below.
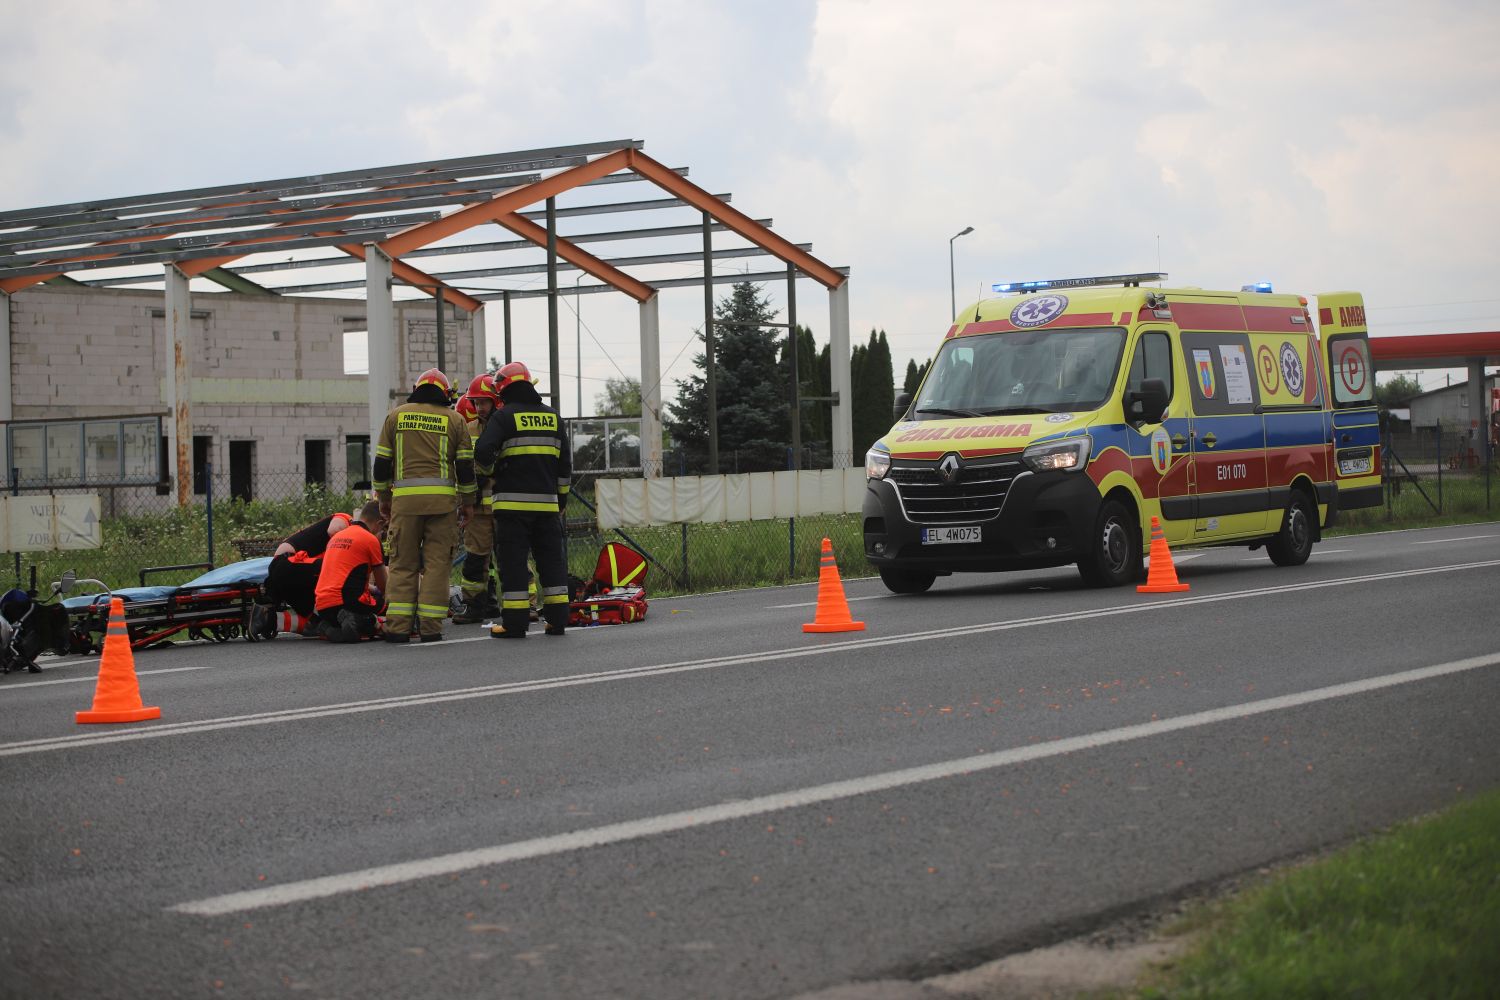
(1055, 422)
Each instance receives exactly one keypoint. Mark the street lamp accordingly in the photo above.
(952, 294)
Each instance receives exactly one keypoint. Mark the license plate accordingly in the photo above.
(1353, 466)
(943, 536)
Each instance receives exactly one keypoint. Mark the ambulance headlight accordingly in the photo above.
(1069, 455)
(877, 463)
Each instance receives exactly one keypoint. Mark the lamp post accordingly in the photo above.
(952, 293)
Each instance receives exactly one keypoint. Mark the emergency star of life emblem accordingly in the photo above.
(1038, 310)
(1161, 450)
(948, 469)
(1291, 369)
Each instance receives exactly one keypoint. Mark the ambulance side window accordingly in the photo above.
(1153, 359)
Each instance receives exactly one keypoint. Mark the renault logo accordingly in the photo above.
(948, 469)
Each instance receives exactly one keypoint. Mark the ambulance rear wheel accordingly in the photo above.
(1114, 556)
(1293, 543)
(905, 581)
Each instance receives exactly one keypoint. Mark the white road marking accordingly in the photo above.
(813, 604)
(651, 826)
(821, 648)
(94, 677)
(1464, 538)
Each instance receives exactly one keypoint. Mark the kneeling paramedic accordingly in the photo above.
(352, 565)
(292, 578)
(479, 533)
(524, 451)
(424, 467)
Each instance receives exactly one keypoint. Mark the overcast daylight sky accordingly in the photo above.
(1321, 146)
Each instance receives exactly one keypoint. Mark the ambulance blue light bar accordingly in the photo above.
(1128, 280)
(1260, 286)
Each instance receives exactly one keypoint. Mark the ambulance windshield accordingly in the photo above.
(1025, 371)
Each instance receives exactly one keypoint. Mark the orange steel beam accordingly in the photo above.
(738, 222)
(490, 211)
(419, 278)
(582, 259)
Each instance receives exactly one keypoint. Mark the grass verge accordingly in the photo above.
(1411, 912)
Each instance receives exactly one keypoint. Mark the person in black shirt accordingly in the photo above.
(292, 579)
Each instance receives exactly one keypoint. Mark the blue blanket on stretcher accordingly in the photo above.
(248, 571)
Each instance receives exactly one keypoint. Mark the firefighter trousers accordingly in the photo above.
(421, 554)
(479, 540)
(540, 534)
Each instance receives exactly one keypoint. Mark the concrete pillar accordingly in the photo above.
(380, 333)
(179, 381)
(839, 376)
(651, 460)
(7, 399)
(481, 353)
(1477, 429)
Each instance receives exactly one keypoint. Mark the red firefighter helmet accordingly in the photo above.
(515, 371)
(433, 376)
(483, 387)
(466, 409)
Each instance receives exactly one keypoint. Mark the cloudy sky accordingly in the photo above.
(1321, 146)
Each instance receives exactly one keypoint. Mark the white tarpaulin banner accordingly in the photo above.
(44, 523)
(753, 496)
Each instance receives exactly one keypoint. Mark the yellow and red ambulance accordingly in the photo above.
(1053, 425)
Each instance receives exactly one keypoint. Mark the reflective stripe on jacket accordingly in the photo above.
(524, 452)
(424, 451)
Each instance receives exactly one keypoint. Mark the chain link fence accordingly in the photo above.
(1429, 475)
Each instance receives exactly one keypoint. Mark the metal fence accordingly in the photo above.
(1429, 475)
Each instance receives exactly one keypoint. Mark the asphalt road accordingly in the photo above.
(713, 804)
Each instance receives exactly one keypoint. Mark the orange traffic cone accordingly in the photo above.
(833, 609)
(117, 696)
(1162, 578)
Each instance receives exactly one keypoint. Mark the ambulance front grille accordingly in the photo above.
(977, 495)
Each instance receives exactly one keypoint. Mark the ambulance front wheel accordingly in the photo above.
(1114, 555)
(905, 581)
(1293, 543)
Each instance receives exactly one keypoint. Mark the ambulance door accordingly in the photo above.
(1162, 463)
(1227, 438)
(1355, 437)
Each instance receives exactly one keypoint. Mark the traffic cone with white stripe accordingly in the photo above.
(1162, 577)
(117, 695)
(833, 608)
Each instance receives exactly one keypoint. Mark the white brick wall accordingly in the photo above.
(80, 352)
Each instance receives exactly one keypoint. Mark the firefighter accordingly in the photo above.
(351, 579)
(479, 533)
(524, 450)
(424, 467)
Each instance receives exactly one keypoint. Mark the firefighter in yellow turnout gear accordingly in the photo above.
(525, 446)
(424, 470)
(479, 533)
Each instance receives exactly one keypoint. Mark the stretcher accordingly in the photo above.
(216, 605)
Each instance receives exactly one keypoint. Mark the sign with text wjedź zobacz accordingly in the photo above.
(48, 522)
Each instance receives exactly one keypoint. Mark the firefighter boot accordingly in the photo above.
(478, 608)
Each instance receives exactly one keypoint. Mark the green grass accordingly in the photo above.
(703, 557)
(1413, 912)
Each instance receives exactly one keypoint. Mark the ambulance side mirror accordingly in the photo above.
(903, 400)
(1148, 404)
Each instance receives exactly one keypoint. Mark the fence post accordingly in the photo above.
(15, 491)
(1438, 431)
(686, 577)
(208, 489)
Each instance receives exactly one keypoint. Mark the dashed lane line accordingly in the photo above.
(652, 826)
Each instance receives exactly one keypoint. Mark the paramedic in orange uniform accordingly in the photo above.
(352, 564)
